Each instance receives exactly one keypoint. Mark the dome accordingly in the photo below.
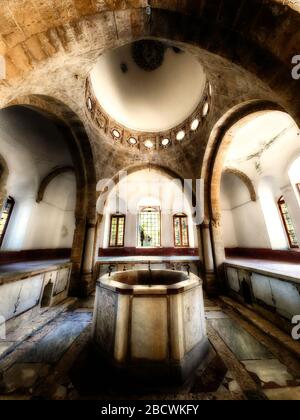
(148, 86)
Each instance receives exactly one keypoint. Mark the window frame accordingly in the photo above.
(158, 210)
(11, 199)
(118, 217)
(181, 216)
(280, 202)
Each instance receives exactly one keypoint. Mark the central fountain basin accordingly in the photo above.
(151, 323)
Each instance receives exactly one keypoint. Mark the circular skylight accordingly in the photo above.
(165, 142)
(132, 141)
(180, 135)
(89, 104)
(205, 109)
(149, 144)
(116, 133)
(195, 124)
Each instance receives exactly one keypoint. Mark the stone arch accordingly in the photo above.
(48, 178)
(217, 147)
(245, 179)
(78, 143)
(213, 165)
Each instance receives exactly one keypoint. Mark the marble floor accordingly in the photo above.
(58, 362)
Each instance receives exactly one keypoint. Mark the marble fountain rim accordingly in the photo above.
(107, 282)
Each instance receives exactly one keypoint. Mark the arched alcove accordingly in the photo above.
(278, 132)
(145, 188)
(65, 151)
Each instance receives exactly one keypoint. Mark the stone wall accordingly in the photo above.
(245, 47)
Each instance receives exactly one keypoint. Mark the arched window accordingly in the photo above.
(288, 224)
(117, 231)
(149, 229)
(181, 230)
(6, 213)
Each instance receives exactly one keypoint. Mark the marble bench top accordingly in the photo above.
(284, 271)
(17, 271)
(146, 259)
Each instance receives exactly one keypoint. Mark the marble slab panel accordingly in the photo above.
(287, 298)
(192, 303)
(241, 343)
(269, 371)
(105, 318)
(51, 347)
(149, 330)
(18, 297)
(233, 279)
(262, 289)
(62, 280)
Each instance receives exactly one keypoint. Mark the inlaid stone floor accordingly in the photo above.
(58, 362)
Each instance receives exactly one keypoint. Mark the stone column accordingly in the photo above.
(210, 276)
(76, 288)
(219, 252)
(88, 260)
(200, 251)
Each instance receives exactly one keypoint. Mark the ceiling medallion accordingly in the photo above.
(148, 54)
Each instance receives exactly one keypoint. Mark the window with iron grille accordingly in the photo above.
(149, 229)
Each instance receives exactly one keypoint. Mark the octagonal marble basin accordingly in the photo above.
(151, 323)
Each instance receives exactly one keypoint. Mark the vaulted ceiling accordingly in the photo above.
(244, 46)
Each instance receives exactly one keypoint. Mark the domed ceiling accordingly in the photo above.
(148, 96)
(148, 86)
